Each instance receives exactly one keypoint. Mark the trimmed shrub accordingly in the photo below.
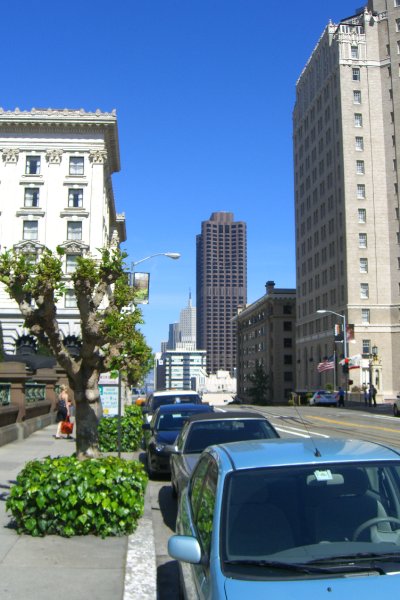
(65, 496)
(131, 431)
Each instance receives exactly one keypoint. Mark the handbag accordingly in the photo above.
(67, 427)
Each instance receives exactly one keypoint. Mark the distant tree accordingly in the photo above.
(110, 339)
(260, 385)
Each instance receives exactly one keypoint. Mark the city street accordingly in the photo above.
(376, 425)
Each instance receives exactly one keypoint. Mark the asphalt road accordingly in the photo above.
(374, 424)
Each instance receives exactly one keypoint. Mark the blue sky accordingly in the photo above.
(204, 92)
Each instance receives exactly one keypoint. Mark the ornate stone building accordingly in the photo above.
(56, 190)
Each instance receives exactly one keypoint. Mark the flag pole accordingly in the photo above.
(334, 369)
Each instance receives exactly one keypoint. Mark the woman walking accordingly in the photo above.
(62, 409)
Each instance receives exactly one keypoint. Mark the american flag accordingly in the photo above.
(326, 365)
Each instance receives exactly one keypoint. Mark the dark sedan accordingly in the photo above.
(201, 431)
(163, 430)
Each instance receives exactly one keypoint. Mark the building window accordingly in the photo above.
(360, 168)
(74, 230)
(70, 299)
(76, 165)
(360, 191)
(354, 52)
(363, 265)
(364, 291)
(362, 240)
(71, 260)
(287, 342)
(32, 165)
(356, 74)
(366, 346)
(398, 47)
(357, 96)
(358, 120)
(359, 143)
(397, 2)
(362, 215)
(30, 230)
(397, 24)
(75, 198)
(31, 197)
(365, 316)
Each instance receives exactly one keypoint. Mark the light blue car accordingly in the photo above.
(291, 519)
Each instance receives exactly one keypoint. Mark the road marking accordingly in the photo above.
(304, 432)
(304, 435)
(355, 425)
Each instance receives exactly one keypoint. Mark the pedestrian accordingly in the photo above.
(63, 409)
(365, 389)
(373, 393)
(340, 396)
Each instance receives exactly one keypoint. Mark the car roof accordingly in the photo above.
(175, 393)
(285, 452)
(185, 406)
(223, 416)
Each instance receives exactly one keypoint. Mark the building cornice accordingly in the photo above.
(54, 120)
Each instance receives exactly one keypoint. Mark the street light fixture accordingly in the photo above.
(173, 255)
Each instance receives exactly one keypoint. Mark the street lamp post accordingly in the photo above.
(343, 317)
(345, 352)
(174, 256)
(372, 361)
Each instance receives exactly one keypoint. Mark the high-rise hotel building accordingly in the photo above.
(346, 131)
(221, 282)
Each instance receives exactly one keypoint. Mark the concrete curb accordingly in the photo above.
(141, 571)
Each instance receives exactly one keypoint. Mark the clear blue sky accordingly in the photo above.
(204, 92)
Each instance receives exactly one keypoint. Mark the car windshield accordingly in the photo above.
(173, 421)
(207, 433)
(175, 399)
(311, 519)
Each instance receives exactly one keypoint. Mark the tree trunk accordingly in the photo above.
(88, 414)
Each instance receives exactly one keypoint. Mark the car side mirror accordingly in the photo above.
(185, 548)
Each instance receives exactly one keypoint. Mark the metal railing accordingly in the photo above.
(35, 392)
(5, 394)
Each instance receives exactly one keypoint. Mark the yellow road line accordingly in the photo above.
(355, 425)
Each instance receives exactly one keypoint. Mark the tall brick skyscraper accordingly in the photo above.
(221, 277)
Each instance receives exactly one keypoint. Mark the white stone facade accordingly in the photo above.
(346, 138)
(56, 190)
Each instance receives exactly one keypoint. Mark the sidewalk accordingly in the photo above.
(82, 567)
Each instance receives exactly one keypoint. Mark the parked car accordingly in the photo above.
(162, 431)
(322, 397)
(159, 398)
(217, 428)
(288, 519)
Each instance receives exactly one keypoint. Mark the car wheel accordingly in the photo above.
(396, 411)
(150, 471)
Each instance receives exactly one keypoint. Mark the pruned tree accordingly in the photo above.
(110, 338)
(260, 385)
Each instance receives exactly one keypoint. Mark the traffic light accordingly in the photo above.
(351, 382)
(346, 366)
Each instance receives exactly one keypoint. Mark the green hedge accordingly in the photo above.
(65, 496)
(131, 431)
